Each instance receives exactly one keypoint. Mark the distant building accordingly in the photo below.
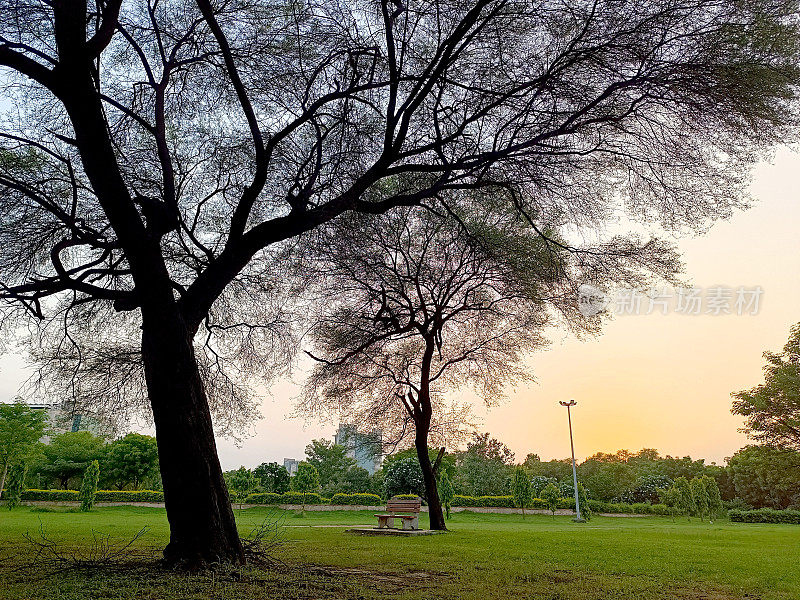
(290, 464)
(365, 448)
(61, 419)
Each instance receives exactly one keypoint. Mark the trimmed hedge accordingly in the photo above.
(129, 496)
(264, 498)
(102, 495)
(51, 495)
(506, 502)
(639, 508)
(359, 499)
(287, 498)
(484, 501)
(765, 515)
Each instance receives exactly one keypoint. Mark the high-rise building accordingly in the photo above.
(290, 464)
(365, 448)
(61, 419)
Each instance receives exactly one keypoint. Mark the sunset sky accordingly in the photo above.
(648, 381)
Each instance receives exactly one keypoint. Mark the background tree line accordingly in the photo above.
(756, 476)
(128, 462)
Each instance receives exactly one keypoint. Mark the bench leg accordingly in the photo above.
(411, 524)
(385, 522)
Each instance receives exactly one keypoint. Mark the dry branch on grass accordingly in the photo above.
(54, 555)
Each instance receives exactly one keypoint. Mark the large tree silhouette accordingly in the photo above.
(158, 156)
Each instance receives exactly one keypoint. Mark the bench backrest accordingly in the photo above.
(402, 505)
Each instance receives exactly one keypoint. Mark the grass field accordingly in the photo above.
(483, 557)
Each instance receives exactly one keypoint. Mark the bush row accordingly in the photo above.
(286, 498)
(129, 496)
(765, 515)
(506, 502)
(563, 503)
(756, 516)
(639, 508)
(359, 499)
(102, 495)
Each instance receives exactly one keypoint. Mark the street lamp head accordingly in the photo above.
(570, 403)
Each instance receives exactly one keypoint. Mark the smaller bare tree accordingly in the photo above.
(418, 306)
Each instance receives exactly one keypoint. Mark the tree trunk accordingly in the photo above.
(3, 479)
(431, 488)
(202, 525)
(423, 413)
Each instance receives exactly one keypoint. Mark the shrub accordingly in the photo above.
(101, 496)
(264, 498)
(736, 504)
(551, 497)
(484, 501)
(404, 476)
(129, 496)
(410, 497)
(89, 486)
(359, 499)
(661, 509)
(50, 495)
(521, 489)
(765, 515)
(300, 498)
(15, 483)
(641, 508)
(287, 498)
(446, 493)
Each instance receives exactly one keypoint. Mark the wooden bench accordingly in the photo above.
(407, 510)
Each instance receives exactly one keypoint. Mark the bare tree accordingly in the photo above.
(416, 307)
(159, 155)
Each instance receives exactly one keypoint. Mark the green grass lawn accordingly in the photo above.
(484, 556)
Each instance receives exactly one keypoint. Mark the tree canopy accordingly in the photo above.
(69, 454)
(130, 460)
(20, 428)
(772, 409)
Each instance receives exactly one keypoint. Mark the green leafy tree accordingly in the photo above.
(306, 480)
(685, 504)
(20, 429)
(446, 493)
(273, 477)
(670, 497)
(583, 498)
(713, 495)
(131, 460)
(16, 483)
(240, 482)
(356, 480)
(484, 468)
(772, 409)
(608, 476)
(521, 489)
(766, 477)
(551, 496)
(699, 496)
(539, 482)
(68, 454)
(331, 462)
(89, 486)
(404, 476)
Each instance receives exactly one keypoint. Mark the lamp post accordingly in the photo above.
(570, 404)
